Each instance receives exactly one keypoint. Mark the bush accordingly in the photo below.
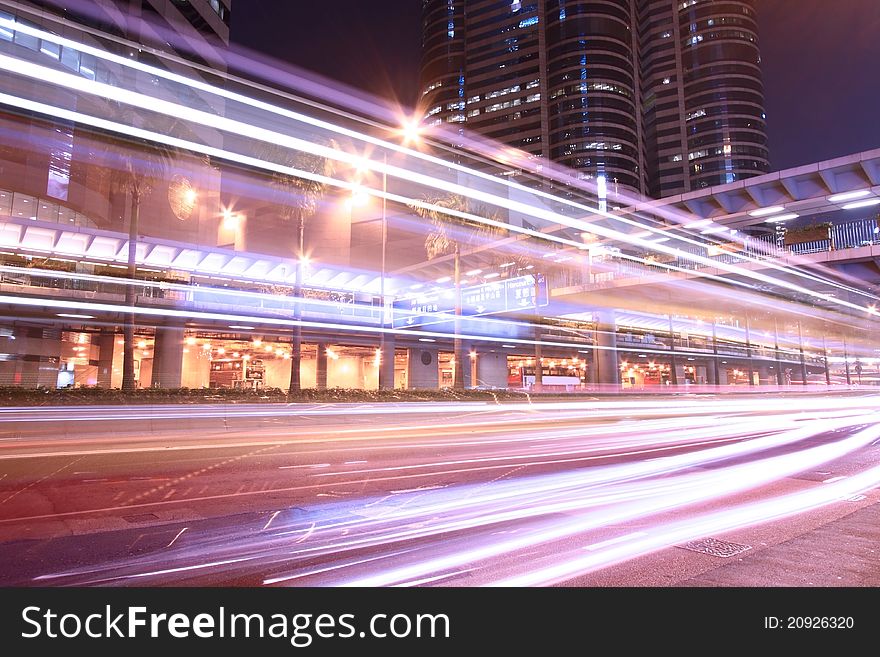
(16, 396)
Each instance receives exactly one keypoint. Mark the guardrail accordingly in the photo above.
(604, 269)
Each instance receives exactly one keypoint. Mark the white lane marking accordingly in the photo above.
(436, 578)
(274, 515)
(309, 573)
(614, 541)
(39, 481)
(309, 532)
(833, 479)
(173, 540)
(416, 490)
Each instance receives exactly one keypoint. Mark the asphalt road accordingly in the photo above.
(602, 492)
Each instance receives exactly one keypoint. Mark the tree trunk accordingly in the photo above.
(539, 360)
(457, 351)
(128, 380)
(296, 342)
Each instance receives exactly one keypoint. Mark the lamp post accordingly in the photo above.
(386, 362)
(411, 133)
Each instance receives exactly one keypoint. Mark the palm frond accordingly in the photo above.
(450, 230)
(298, 197)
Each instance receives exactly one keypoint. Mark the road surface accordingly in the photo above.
(629, 491)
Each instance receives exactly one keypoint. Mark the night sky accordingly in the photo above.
(821, 61)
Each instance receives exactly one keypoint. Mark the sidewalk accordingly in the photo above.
(844, 552)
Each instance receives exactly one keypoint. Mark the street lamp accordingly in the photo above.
(386, 366)
(411, 131)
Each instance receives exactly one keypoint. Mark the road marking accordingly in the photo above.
(833, 479)
(417, 489)
(614, 541)
(274, 515)
(176, 537)
(39, 481)
(309, 532)
(435, 578)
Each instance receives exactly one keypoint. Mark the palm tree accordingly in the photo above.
(449, 233)
(299, 199)
(140, 166)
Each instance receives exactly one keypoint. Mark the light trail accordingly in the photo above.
(175, 110)
(670, 534)
(639, 501)
(425, 533)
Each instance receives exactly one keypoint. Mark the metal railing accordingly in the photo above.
(856, 234)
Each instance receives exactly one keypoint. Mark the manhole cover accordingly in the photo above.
(144, 517)
(716, 547)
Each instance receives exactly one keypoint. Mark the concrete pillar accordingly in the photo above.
(763, 375)
(712, 369)
(751, 367)
(167, 358)
(803, 358)
(605, 355)
(321, 367)
(466, 365)
(780, 370)
(492, 370)
(678, 371)
(422, 369)
(106, 344)
(538, 385)
(825, 360)
(386, 366)
(675, 375)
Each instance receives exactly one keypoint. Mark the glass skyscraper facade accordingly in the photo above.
(658, 96)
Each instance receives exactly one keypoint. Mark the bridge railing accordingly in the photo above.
(850, 235)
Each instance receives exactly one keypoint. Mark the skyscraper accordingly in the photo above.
(659, 96)
(702, 93)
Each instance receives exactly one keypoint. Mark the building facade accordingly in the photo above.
(656, 96)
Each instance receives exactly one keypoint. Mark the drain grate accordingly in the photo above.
(716, 547)
(144, 517)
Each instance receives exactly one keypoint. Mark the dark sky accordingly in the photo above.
(821, 61)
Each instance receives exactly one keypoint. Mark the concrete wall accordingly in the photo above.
(276, 373)
(491, 370)
(345, 373)
(422, 374)
(371, 375)
(196, 368)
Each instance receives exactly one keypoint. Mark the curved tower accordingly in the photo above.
(704, 119)
(442, 80)
(592, 83)
(659, 96)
